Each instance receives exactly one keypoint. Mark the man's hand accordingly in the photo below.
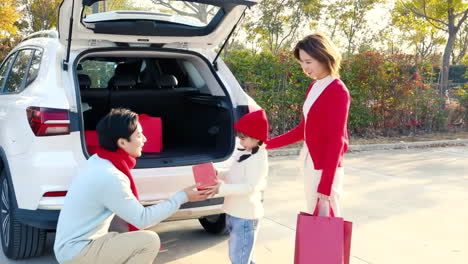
(194, 195)
(213, 189)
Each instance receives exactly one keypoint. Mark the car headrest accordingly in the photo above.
(128, 69)
(168, 80)
(84, 80)
(123, 81)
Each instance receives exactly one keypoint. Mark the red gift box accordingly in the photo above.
(205, 174)
(152, 129)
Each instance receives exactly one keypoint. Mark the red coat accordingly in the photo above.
(325, 132)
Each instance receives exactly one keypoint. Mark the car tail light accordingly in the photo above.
(55, 194)
(48, 121)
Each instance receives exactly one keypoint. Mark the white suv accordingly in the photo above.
(52, 90)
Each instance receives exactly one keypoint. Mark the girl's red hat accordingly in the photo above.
(254, 125)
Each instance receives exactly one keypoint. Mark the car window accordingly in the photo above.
(4, 71)
(99, 72)
(177, 12)
(34, 69)
(195, 77)
(14, 82)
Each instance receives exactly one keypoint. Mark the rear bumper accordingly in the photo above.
(47, 219)
(43, 219)
(209, 202)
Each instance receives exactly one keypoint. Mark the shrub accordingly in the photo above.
(390, 94)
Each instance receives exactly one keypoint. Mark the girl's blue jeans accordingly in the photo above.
(242, 234)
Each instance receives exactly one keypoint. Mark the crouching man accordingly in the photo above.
(105, 188)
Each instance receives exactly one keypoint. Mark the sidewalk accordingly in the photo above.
(404, 205)
(372, 147)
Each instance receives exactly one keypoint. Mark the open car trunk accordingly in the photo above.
(179, 88)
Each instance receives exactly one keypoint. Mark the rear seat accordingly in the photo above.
(122, 82)
(84, 81)
(96, 98)
(130, 70)
(168, 81)
(148, 101)
(161, 99)
(154, 101)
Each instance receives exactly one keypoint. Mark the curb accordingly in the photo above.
(373, 147)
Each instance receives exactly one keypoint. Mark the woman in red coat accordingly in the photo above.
(323, 125)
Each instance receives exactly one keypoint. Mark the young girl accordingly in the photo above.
(243, 184)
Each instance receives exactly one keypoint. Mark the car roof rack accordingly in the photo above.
(42, 34)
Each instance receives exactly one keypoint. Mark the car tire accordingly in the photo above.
(215, 224)
(19, 241)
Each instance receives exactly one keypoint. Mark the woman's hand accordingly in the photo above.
(323, 205)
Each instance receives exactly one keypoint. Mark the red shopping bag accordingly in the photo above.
(152, 129)
(322, 240)
(348, 231)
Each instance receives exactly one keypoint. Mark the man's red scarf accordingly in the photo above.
(124, 163)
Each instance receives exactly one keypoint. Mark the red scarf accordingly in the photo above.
(124, 163)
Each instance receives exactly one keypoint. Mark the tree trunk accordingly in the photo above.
(444, 73)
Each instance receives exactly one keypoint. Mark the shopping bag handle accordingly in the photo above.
(316, 210)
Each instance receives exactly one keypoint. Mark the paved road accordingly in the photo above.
(408, 206)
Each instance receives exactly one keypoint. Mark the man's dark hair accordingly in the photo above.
(118, 123)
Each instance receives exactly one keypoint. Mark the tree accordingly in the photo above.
(8, 17)
(199, 11)
(114, 5)
(7, 44)
(40, 14)
(449, 16)
(348, 17)
(275, 24)
(329, 21)
(460, 47)
(390, 41)
(418, 32)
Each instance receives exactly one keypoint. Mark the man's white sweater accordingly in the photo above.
(243, 185)
(98, 193)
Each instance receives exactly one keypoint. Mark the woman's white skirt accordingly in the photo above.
(312, 179)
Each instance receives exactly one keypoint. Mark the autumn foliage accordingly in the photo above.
(391, 96)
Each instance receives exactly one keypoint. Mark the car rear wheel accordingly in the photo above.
(215, 224)
(19, 241)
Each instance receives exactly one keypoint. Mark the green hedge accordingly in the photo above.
(457, 74)
(389, 96)
(275, 82)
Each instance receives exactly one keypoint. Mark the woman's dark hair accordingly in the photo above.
(254, 150)
(118, 123)
(319, 47)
